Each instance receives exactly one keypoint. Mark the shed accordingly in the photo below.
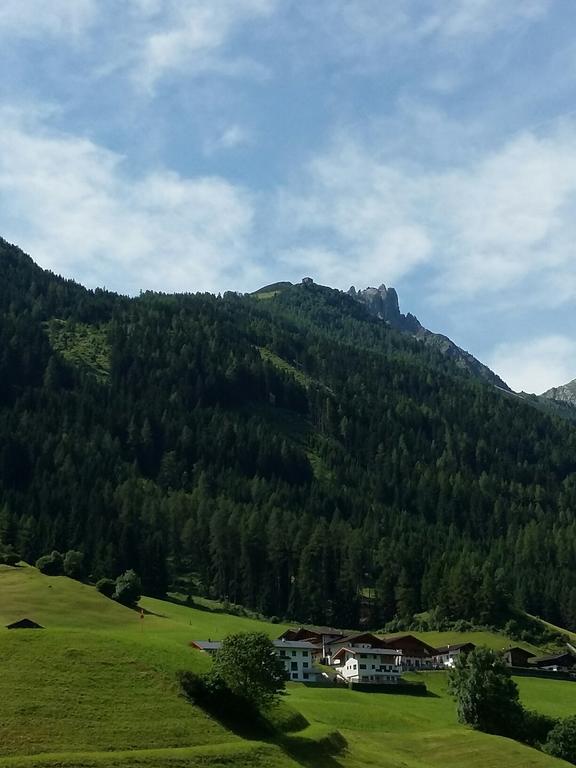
(24, 624)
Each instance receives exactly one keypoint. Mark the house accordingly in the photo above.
(296, 655)
(298, 658)
(24, 624)
(516, 656)
(368, 665)
(416, 654)
(558, 662)
(318, 636)
(353, 640)
(447, 655)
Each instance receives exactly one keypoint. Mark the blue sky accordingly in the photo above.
(186, 145)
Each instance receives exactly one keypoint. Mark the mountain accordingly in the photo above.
(564, 394)
(288, 451)
(383, 303)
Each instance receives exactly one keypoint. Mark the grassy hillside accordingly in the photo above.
(97, 688)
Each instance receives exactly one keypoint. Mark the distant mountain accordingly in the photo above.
(563, 394)
(383, 303)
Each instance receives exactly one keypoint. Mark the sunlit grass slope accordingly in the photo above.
(97, 688)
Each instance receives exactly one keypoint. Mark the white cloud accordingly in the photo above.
(231, 137)
(498, 223)
(74, 207)
(187, 37)
(36, 18)
(536, 365)
(372, 29)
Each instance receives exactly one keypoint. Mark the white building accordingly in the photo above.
(296, 655)
(297, 658)
(368, 665)
(447, 655)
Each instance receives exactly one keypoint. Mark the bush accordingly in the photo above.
(106, 587)
(561, 740)
(74, 564)
(536, 728)
(128, 588)
(51, 565)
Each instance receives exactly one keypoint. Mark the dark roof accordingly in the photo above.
(554, 658)
(391, 639)
(304, 644)
(518, 649)
(207, 645)
(455, 647)
(24, 624)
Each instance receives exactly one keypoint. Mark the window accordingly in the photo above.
(294, 665)
(362, 655)
(293, 653)
(305, 653)
(294, 675)
(362, 666)
(305, 675)
(305, 664)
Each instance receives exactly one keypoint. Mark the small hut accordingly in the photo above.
(24, 624)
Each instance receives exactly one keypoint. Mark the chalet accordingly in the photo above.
(354, 641)
(296, 655)
(447, 655)
(416, 654)
(516, 656)
(367, 665)
(318, 636)
(559, 662)
(24, 624)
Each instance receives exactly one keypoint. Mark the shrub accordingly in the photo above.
(74, 564)
(51, 565)
(561, 740)
(106, 587)
(536, 728)
(128, 588)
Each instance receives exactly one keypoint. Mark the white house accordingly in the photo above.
(296, 655)
(368, 665)
(447, 655)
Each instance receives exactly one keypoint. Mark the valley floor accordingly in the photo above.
(97, 688)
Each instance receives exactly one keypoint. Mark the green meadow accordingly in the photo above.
(97, 687)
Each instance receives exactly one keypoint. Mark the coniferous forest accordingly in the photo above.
(291, 452)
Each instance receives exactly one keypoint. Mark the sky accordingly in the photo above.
(212, 145)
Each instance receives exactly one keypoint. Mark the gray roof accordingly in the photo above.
(303, 644)
(207, 645)
(376, 651)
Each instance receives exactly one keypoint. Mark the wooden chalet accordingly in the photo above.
(517, 657)
(416, 654)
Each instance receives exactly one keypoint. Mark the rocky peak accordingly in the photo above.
(383, 303)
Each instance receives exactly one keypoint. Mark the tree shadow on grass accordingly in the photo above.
(253, 726)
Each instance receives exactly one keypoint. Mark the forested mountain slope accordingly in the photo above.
(290, 450)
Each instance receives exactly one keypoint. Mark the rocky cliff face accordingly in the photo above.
(383, 303)
(563, 394)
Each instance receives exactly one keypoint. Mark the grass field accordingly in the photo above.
(97, 688)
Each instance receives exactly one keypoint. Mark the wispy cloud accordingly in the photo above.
(536, 364)
(484, 226)
(187, 37)
(74, 206)
(228, 138)
(36, 18)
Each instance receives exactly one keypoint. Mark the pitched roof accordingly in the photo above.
(406, 636)
(554, 658)
(207, 645)
(303, 644)
(455, 647)
(375, 651)
(24, 624)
